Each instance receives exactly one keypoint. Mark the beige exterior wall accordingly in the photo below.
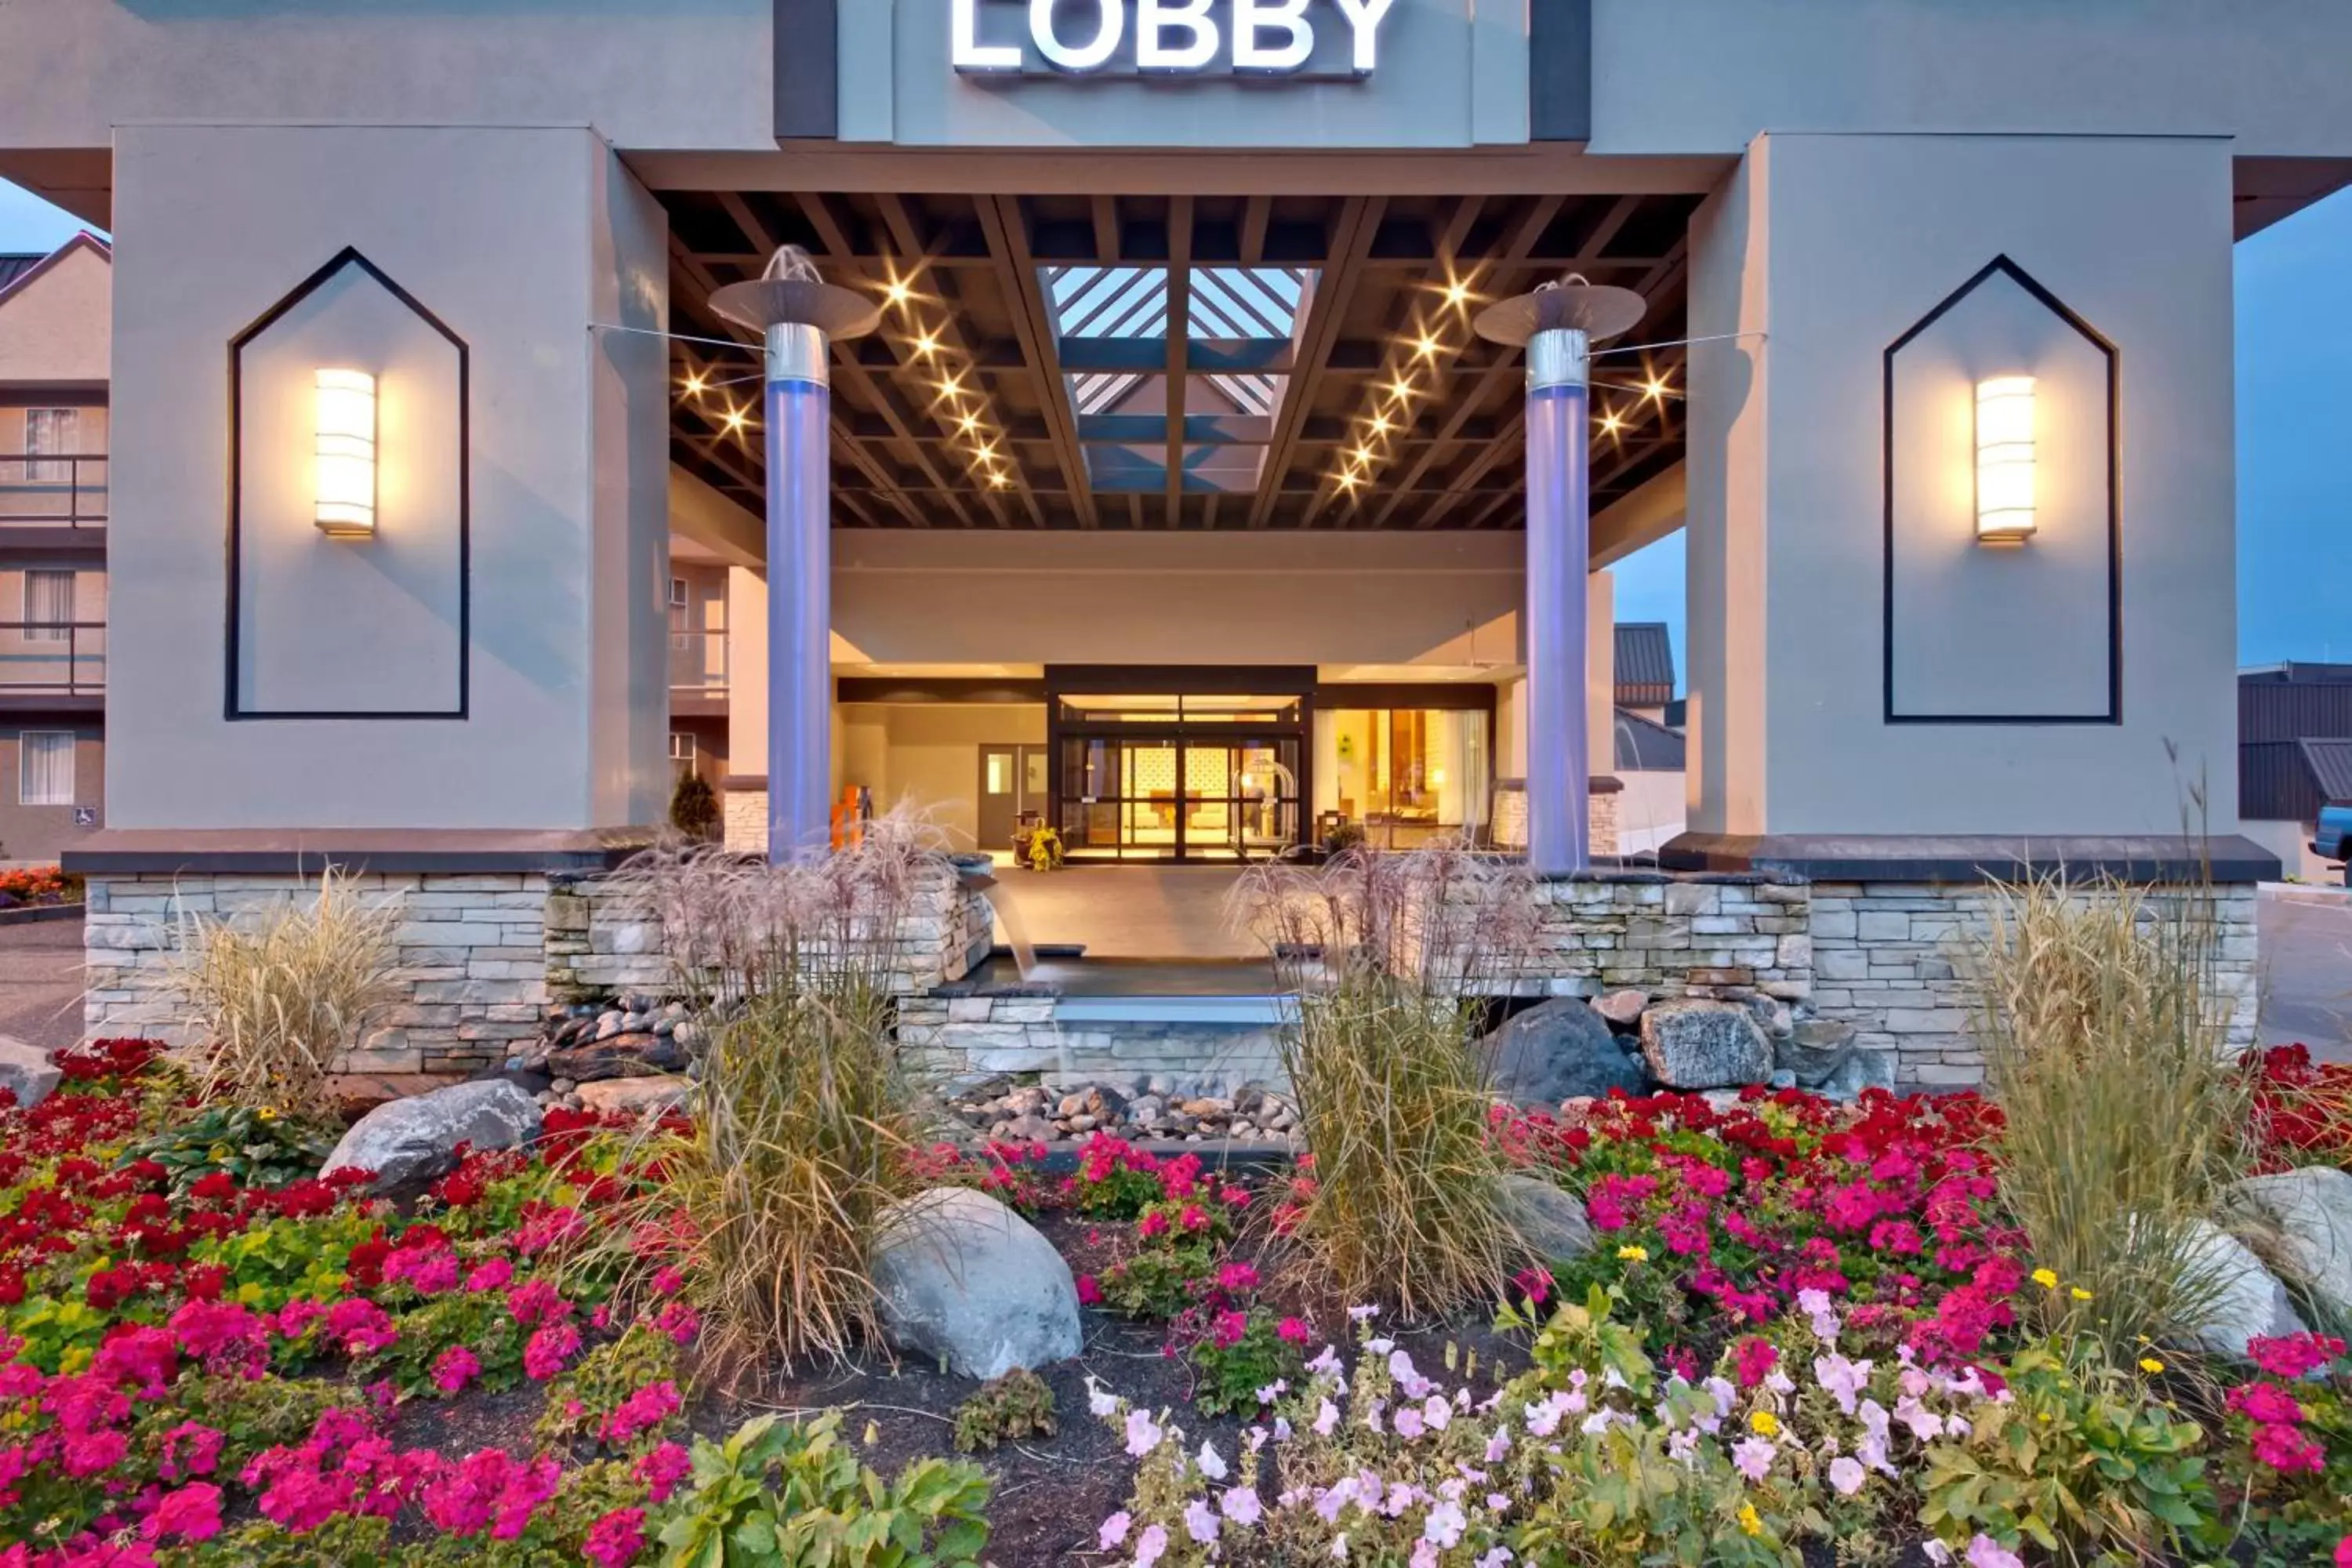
(927, 756)
(58, 326)
(37, 834)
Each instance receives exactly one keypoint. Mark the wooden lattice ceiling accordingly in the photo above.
(1007, 447)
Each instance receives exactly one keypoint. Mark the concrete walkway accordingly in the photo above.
(2307, 971)
(40, 983)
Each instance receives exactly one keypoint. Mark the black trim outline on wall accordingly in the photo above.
(350, 257)
(2003, 266)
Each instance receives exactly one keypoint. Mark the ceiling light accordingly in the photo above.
(1347, 482)
(1655, 387)
(1399, 389)
(927, 345)
(736, 420)
(1612, 422)
(999, 480)
(967, 423)
(695, 384)
(951, 387)
(1457, 293)
(898, 292)
(1425, 346)
(1360, 455)
(1382, 424)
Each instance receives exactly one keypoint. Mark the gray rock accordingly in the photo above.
(1147, 1108)
(1071, 1105)
(1781, 1078)
(1025, 1101)
(1105, 1103)
(2305, 1220)
(1815, 1049)
(27, 1071)
(1695, 1043)
(1556, 1051)
(1033, 1127)
(1622, 1009)
(1551, 1218)
(963, 1280)
(1772, 1015)
(2247, 1300)
(608, 1025)
(1860, 1070)
(636, 1096)
(405, 1140)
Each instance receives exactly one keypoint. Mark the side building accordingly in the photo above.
(56, 328)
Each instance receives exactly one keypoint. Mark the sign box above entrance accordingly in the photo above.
(1282, 40)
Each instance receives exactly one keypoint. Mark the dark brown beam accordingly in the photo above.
(1008, 239)
(1360, 216)
(1180, 332)
(1254, 213)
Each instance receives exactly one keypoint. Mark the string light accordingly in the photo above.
(968, 423)
(1457, 293)
(695, 384)
(951, 387)
(897, 293)
(927, 345)
(1399, 389)
(1360, 456)
(736, 420)
(1426, 347)
(1655, 389)
(1348, 480)
(997, 480)
(1381, 423)
(1612, 422)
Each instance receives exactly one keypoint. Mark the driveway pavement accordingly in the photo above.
(2308, 971)
(40, 983)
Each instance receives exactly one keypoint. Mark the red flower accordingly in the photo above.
(2287, 1450)
(1089, 1292)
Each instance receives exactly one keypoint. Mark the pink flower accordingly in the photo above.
(91, 1453)
(1192, 1218)
(662, 1470)
(644, 1409)
(491, 1276)
(538, 1301)
(2294, 1355)
(1089, 1291)
(1984, 1552)
(1151, 1225)
(360, 1326)
(550, 1351)
(2287, 1450)
(1228, 1329)
(616, 1539)
(2344, 1552)
(1236, 1278)
(1293, 1331)
(668, 1282)
(202, 1456)
(1114, 1529)
(454, 1368)
(679, 1321)
(191, 1513)
(1754, 1357)
(2265, 1404)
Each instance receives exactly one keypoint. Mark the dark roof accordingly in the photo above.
(2330, 762)
(1646, 665)
(15, 264)
(1645, 746)
(2296, 672)
(20, 267)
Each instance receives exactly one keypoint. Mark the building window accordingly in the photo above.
(44, 767)
(678, 599)
(48, 605)
(51, 433)
(682, 752)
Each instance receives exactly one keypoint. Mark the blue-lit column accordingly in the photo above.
(799, 592)
(1559, 548)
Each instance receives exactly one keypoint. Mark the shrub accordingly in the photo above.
(694, 806)
(1386, 952)
(2125, 1116)
(255, 1148)
(278, 999)
(800, 1131)
(1005, 1409)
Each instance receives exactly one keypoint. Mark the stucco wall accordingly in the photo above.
(517, 240)
(1823, 251)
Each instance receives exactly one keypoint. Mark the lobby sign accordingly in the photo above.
(1273, 39)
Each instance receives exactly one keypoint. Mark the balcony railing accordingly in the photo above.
(52, 659)
(697, 663)
(67, 491)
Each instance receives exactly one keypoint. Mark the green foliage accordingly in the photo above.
(256, 1145)
(694, 806)
(1240, 1356)
(780, 1494)
(1005, 1409)
(2082, 1462)
(479, 1320)
(346, 1541)
(1156, 1283)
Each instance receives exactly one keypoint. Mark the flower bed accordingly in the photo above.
(1803, 1325)
(25, 887)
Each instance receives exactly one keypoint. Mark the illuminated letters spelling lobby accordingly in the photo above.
(1202, 428)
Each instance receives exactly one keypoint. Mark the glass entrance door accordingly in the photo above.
(1163, 796)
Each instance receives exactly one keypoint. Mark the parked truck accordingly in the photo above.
(2333, 841)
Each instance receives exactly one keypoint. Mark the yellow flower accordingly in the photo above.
(1634, 1254)
(1750, 1519)
(268, 1114)
(2150, 1363)
(1765, 1423)
(2078, 1293)
(2047, 1280)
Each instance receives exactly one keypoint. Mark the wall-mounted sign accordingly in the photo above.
(1293, 39)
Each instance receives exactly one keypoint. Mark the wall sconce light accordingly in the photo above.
(2005, 460)
(345, 415)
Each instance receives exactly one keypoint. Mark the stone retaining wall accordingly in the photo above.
(1688, 934)
(473, 957)
(1013, 1033)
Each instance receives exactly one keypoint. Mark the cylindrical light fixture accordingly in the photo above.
(345, 418)
(2005, 460)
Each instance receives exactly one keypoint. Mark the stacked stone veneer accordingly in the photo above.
(481, 956)
(1892, 958)
(1019, 1031)
(472, 951)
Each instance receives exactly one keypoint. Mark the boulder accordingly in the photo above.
(1623, 1009)
(412, 1140)
(27, 1071)
(1559, 1050)
(627, 1055)
(1814, 1050)
(2247, 1300)
(1551, 1218)
(2306, 1216)
(1695, 1043)
(1861, 1069)
(964, 1282)
(653, 1094)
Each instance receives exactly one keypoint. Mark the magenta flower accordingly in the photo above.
(550, 1351)
(192, 1513)
(454, 1368)
(616, 1539)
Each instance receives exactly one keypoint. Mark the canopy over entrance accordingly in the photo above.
(1180, 361)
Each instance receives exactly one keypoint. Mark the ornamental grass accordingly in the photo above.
(2127, 1115)
(277, 996)
(1387, 953)
(801, 1120)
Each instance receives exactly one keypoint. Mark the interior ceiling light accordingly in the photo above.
(1655, 387)
(1612, 422)
(896, 292)
(1457, 293)
(695, 384)
(927, 345)
(1381, 423)
(951, 387)
(1399, 389)
(1425, 346)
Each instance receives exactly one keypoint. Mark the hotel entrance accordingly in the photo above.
(1195, 771)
